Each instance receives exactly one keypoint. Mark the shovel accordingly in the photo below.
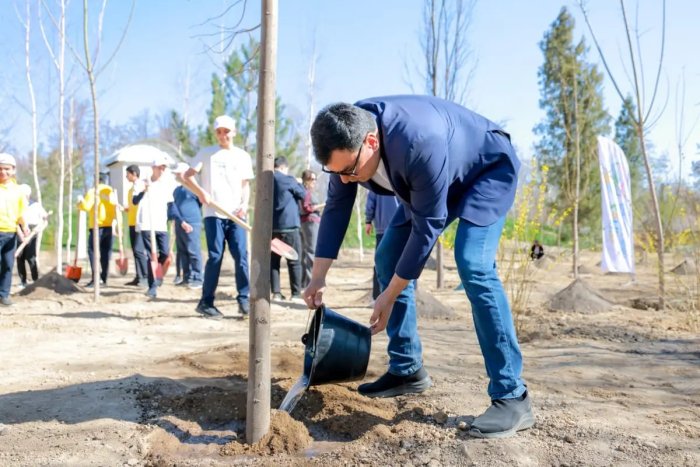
(74, 272)
(122, 262)
(35, 231)
(276, 245)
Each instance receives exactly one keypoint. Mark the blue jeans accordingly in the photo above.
(189, 252)
(475, 253)
(8, 244)
(218, 233)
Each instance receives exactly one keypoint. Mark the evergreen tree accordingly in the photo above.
(217, 107)
(236, 94)
(181, 134)
(571, 96)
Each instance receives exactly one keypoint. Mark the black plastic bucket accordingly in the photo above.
(337, 349)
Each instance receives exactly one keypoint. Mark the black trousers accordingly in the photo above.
(292, 238)
(162, 250)
(139, 252)
(28, 255)
(105, 251)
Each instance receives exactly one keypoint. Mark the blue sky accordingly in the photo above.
(364, 49)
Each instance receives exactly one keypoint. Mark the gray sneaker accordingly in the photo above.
(390, 385)
(209, 311)
(504, 418)
(5, 301)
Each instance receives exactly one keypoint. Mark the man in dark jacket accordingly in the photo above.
(379, 210)
(186, 213)
(444, 163)
(285, 226)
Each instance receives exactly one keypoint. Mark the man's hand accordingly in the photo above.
(313, 294)
(186, 227)
(383, 306)
(368, 228)
(241, 213)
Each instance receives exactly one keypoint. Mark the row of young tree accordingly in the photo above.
(571, 88)
(571, 95)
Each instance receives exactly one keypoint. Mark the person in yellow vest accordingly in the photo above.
(12, 206)
(106, 203)
(132, 175)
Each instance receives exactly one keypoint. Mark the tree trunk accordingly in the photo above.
(96, 129)
(657, 218)
(71, 126)
(358, 215)
(577, 171)
(259, 384)
(61, 136)
(440, 267)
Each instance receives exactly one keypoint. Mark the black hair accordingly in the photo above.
(281, 161)
(340, 126)
(134, 169)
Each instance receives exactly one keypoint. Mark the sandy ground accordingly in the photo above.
(129, 381)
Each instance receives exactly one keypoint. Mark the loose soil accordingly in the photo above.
(128, 381)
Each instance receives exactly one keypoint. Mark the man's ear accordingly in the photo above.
(373, 140)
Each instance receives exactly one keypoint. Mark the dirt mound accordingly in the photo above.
(545, 262)
(339, 413)
(286, 435)
(686, 267)
(583, 269)
(578, 297)
(50, 284)
(427, 306)
(430, 307)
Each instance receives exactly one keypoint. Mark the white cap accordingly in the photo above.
(224, 121)
(25, 189)
(160, 159)
(7, 159)
(180, 167)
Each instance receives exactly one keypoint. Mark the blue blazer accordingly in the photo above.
(443, 161)
(285, 206)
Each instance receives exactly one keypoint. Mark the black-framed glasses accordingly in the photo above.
(347, 172)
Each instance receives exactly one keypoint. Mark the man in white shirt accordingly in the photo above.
(34, 215)
(225, 172)
(152, 197)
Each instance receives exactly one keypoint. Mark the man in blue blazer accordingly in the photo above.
(443, 162)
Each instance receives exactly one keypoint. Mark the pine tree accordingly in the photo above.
(236, 94)
(571, 96)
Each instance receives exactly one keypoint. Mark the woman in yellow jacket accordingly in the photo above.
(12, 205)
(106, 203)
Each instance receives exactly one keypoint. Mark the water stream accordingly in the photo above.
(294, 395)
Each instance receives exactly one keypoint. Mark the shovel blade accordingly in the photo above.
(284, 250)
(73, 273)
(123, 265)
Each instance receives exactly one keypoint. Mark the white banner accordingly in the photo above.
(618, 243)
